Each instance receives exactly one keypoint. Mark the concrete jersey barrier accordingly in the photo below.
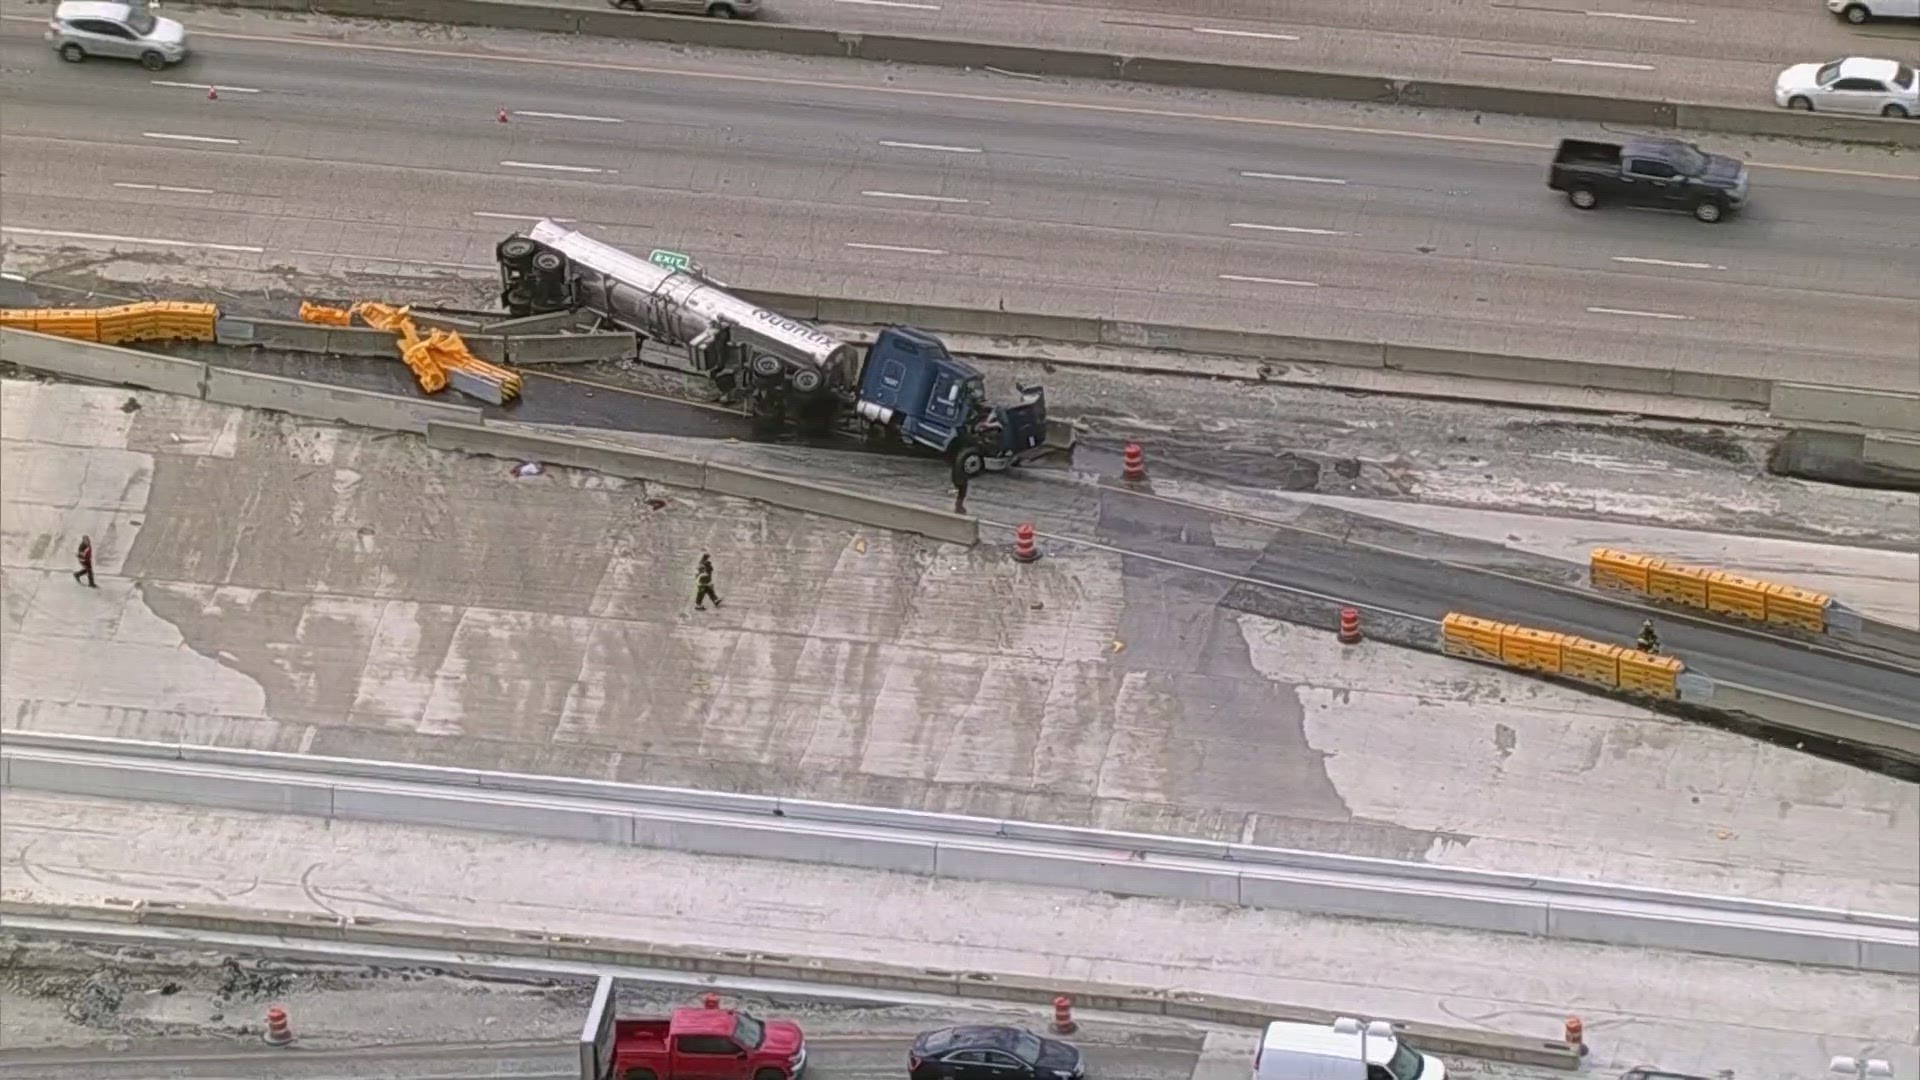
(319, 401)
(473, 942)
(98, 363)
(792, 494)
(1051, 856)
(1070, 63)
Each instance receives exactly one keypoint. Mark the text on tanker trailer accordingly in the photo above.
(904, 387)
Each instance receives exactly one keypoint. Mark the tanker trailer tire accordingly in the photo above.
(767, 367)
(549, 262)
(518, 300)
(968, 457)
(806, 381)
(516, 250)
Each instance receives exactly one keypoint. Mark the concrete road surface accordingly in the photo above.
(948, 188)
(1719, 52)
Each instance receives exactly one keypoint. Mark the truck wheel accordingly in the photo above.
(1708, 211)
(1803, 104)
(516, 249)
(1583, 198)
(806, 381)
(967, 456)
(767, 367)
(1856, 14)
(518, 300)
(548, 262)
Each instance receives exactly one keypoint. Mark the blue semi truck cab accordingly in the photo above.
(914, 391)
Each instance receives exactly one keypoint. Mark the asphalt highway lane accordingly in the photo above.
(975, 198)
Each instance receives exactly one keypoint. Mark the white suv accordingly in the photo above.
(83, 28)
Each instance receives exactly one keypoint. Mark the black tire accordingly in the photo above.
(1583, 198)
(722, 11)
(549, 262)
(1709, 211)
(770, 1074)
(767, 367)
(629, 5)
(806, 381)
(518, 300)
(1800, 103)
(1856, 14)
(968, 459)
(640, 1073)
(1896, 112)
(516, 249)
(72, 53)
(153, 61)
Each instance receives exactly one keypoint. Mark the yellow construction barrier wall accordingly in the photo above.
(152, 321)
(1717, 591)
(1528, 649)
(432, 357)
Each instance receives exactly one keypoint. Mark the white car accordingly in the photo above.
(83, 28)
(1856, 84)
(1860, 11)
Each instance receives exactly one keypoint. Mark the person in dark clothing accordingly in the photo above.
(86, 562)
(1649, 638)
(705, 591)
(959, 488)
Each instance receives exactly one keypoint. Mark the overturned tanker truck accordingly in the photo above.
(904, 388)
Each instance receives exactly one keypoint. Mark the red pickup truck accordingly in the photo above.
(708, 1043)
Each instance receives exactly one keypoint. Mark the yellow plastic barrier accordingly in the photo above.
(325, 316)
(1732, 595)
(1470, 638)
(1654, 676)
(150, 321)
(430, 357)
(1529, 649)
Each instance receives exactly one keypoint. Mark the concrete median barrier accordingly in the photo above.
(277, 930)
(1728, 936)
(1879, 409)
(109, 364)
(1473, 97)
(1889, 735)
(319, 401)
(1891, 452)
(845, 505)
(569, 348)
(576, 453)
(923, 844)
(1797, 125)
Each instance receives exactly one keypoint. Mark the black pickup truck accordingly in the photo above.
(1665, 174)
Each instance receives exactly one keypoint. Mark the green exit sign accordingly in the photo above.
(674, 259)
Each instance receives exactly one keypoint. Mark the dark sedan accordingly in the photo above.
(993, 1053)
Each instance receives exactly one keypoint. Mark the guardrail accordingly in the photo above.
(942, 845)
(1069, 63)
(280, 932)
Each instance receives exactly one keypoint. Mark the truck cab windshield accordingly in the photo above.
(750, 1033)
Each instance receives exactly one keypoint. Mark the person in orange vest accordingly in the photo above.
(86, 562)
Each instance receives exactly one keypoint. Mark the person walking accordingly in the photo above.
(705, 590)
(959, 491)
(86, 562)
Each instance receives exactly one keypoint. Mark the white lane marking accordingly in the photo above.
(189, 138)
(1639, 314)
(930, 146)
(571, 116)
(166, 187)
(1603, 64)
(1269, 280)
(1666, 262)
(1639, 18)
(1290, 176)
(891, 3)
(524, 217)
(915, 198)
(206, 86)
(1242, 33)
(554, 168)
(382, 259)
(896, 247)
(1287, 229)
(149, 240)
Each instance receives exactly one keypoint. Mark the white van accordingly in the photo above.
(1860, 11)
(1347, 1050)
